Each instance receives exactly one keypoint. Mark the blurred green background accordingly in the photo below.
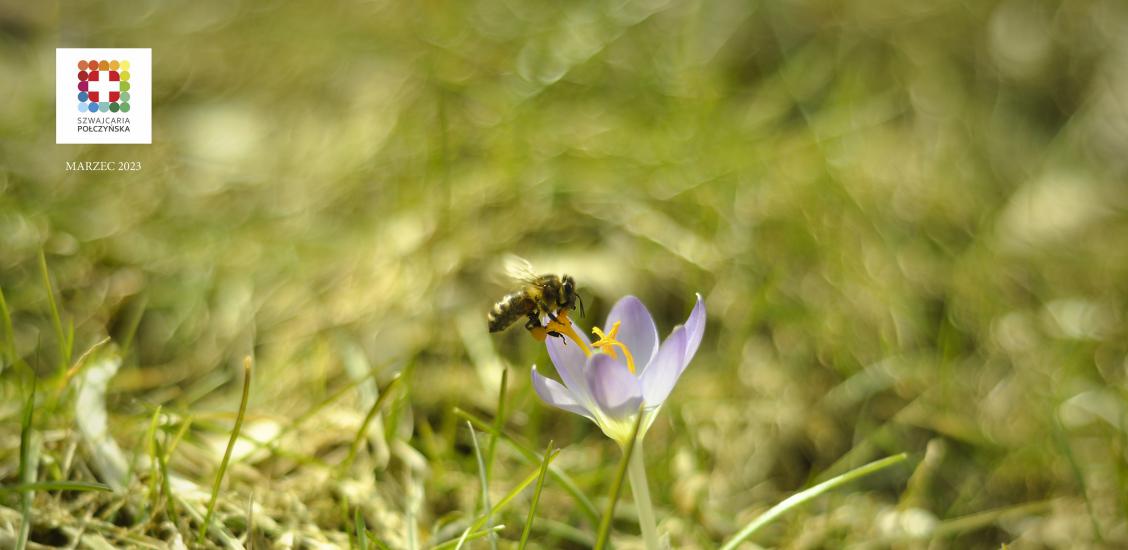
(909, 221)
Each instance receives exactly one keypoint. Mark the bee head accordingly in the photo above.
(569, 285)
(570, 294)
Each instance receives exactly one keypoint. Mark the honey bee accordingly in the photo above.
(539, 296)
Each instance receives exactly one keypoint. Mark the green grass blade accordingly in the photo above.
(413, 497)
(250, 535)
(56, 319)
(485, 482)
(499, 423)
(803, 497)
(980, 520)
(505, 500)
(963, 525)
(477, 525)
(472, 536)
(604, 532)
(362, 433)
(567, 533)
(151, 439)
(27, 469)
(69, 341)
(185, 425)
(62, 485)
(361, 530)
(166, 487)
(548, 453)
(131, 325)
(533, 457)
(1062, 441)
(314, 410)
(247, 363)
(9, 342)
(76, 368)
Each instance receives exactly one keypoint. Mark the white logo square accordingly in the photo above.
(103, 95)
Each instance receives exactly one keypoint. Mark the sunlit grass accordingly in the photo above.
(549, 453)
(908, 223)
(28, 467)
(247, 364)
(806, 495)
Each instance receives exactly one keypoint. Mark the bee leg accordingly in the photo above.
(538, 331)
(533, 322)
(552, 315)
(534, 327)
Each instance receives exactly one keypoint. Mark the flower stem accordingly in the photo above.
(641, 491)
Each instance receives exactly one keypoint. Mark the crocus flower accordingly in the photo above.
(623, 372)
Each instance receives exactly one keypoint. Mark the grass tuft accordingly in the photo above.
(154, 467)
(247, 364)
(361, 530)
(532, 457)
(499, 423)
(802, 497)
(166, 485)
(27, 469)
(548, 454)
(482, 481)
(478, 524)
(362, 432)
(63, 485)
(9, 341)
(63, 337)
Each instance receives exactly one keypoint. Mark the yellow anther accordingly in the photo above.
(604, 341)
(563, 326)
(608, 342)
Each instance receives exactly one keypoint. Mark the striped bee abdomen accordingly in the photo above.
(509, 309)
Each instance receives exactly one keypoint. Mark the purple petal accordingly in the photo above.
(694, 329)
(551, 392)
(662, 374)
(617, 392)
(569, 361)
(636, 330)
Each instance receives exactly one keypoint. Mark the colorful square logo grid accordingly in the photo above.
(113, 90)
(103, 86)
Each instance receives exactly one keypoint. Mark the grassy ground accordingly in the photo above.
(908, 219)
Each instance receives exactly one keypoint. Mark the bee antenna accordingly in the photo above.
(581, 300)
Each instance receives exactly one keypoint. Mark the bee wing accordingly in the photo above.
(519, 269)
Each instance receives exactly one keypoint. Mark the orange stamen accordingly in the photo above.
(563, 326)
